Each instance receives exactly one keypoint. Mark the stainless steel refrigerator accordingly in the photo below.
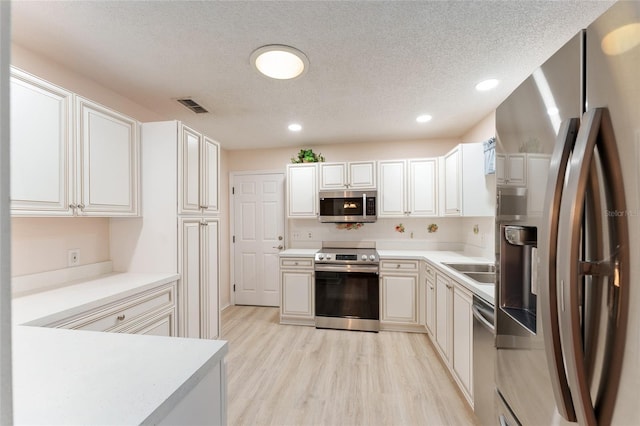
(567, 233)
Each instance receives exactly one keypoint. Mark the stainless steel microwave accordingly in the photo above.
(348, 206)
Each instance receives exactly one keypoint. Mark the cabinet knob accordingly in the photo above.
(73, 206)
(81, 206)
(120, 317)
(398, 266)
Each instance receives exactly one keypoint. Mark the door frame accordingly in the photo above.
(232, 224)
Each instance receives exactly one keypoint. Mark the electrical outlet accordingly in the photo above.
(296, 235)
(309, 235)
(73, 257)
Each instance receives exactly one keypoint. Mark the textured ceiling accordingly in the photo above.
(374, 66)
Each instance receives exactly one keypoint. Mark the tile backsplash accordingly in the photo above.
(472, 235)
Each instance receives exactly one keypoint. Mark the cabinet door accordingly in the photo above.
(302, 191)
(501, 169)
(42, 177)
(516, 169)
(209, 283)
(163, 324)
(362, 175)
(333, 176)
(423, 193)
(297, 294)
(463, 338)
(452, 184)
(399, 298)
(431, 305)
(537, 173)
(209, 183)
(189, 267)
(444, 301)
(391, 193)
(108, 146)
(189, 171)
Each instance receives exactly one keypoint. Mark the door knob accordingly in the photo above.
(280, 238)
(278, 247)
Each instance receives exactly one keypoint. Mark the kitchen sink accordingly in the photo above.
(482, 277)
(472, 267)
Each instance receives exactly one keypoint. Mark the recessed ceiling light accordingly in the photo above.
(423, 118)
(295, 127)
(487, 85)
(279, 61)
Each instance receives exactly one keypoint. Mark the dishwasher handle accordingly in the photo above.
(477, 314)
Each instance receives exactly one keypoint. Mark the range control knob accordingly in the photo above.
(328, 257)
(364, 257)
(372, 257)
(320, 256)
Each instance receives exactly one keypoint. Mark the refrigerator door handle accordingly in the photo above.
(547, 287)
(595, 141)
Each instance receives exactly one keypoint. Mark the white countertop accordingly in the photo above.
(90, 378)
(437, 257)
(50, 306)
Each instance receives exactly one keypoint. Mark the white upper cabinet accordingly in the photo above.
(537, 174)
(302, 190)
(467, 191)
(408, 187)
(356, 175)
(199, 162)
(42, 178)
(108, 146)
(511, 169)
(70, 156)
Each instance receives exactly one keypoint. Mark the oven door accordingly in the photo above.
(347, 297)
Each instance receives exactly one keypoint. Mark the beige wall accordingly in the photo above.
(41, 244)
(483, 130)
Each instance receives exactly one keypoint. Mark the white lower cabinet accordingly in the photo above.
(297, 291)
(463, 340)
(198, 266)
(149, 312)
(430, 299)
(444, 311)
(399, 295)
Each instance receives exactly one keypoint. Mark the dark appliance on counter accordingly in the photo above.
(347, 206)
(347, 287)
(566, 339)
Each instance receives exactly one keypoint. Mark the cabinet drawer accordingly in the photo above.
(120, 313)
(293, 263)
(430, 271)
(399, 265)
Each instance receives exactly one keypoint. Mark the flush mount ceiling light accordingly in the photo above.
(295, 127)
(279, 61)
(485, 85)
(424, 118)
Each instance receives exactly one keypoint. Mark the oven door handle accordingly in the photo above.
(367, 269)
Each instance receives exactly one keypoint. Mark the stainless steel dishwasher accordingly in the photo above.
(484, 356)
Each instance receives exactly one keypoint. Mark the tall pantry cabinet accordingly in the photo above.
(179, 228)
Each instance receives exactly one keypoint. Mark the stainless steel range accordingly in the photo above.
(347, 289)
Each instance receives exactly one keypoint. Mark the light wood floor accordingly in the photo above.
(296, 375)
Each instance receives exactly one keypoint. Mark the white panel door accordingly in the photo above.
(399, 296)
(391, 193)
(189, 267)
(189, 171)
(258, 202)
(537, 171)
(423, 193)
(333, 176)
(297, 294)
(362, 175)
(452, 183)
(302, 191)
(209, 283)
(443, 313)
(463, 338)
(209, 166)
(42, 178)
(516, 169)
(108, 161)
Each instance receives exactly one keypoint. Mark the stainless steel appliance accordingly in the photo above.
(484, 357)
(567, 343)
(347, 288)
(347, 206)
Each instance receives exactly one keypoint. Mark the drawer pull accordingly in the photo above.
(398, 266)
(120, 317)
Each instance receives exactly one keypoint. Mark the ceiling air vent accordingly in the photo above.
(193, 105)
